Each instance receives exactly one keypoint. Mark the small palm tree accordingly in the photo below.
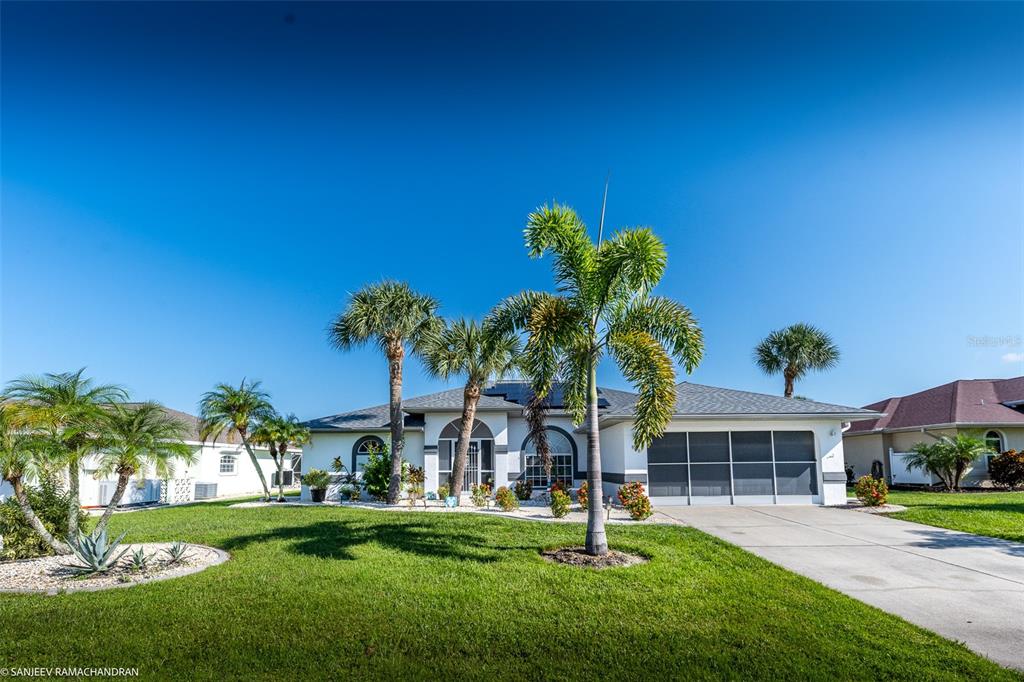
(603, 307)
(794, 351)
(70, 411)
(23, 454)
(140, 436)
(391, 315)
(235, 410)
(480, 354)
(278, 434)
(948, 458)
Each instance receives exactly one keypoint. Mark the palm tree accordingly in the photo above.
(278, 434)
(140, 436)
(604, 306)
(794, 351)
(22, 454)
(392, 315)
(235, 410)
(948, 458)
(479, 353)
(70, 410)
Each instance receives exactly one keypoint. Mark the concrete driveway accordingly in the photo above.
(965, 587)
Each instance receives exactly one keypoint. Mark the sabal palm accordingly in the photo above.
(279, 434)
(70, 410)
(227, 409)
(391, 315)
(23, 454)
(479, 353)
(139, 437)
(603, 306)
(794, 351)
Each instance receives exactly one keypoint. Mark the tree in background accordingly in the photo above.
(949, 458)
(235, 410)
(465, 348)
(603, 306)
(278, 434)
(794, 351)
(393, 316)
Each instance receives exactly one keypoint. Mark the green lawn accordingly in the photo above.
(998, 515)
(320, 592)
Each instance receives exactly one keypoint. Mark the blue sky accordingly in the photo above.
(189, 191)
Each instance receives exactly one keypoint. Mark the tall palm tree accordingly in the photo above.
(235, 410)
(794, 351)
(278, 434)
(22, 454)
(603, 306)
(391, 315)
(480, 354)
(70, 410)
(140, 436)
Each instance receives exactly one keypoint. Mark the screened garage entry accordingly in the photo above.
(733, 467)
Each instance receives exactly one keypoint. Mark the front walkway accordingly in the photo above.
(965, 587)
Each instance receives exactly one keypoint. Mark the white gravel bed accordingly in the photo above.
(50, 575)
(856, 505)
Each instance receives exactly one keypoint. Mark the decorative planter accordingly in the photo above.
(317, 494)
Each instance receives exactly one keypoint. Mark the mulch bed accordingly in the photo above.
(577, 556)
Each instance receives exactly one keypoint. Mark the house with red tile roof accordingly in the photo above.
(992, 409)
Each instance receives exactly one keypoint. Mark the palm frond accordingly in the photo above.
(558, 229)
(631, 262)
(671, 323)
(648, 367)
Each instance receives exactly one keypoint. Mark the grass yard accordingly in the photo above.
(353, 594)
(998, 515)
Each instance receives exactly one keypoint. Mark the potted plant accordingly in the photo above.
(317, 480)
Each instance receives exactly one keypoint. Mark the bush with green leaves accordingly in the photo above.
(523, 489)
(443, 491)
(871, 491)
(479, 494)
(634, 499)
(1007, 469)
(316, 479)
(377, 472)
(50, 502)
(96, 553)
(506, 499)
(560, 503)
(583, 494)
(414, 486)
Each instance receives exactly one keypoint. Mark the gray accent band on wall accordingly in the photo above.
(430, 447)
(514, 475)
(500, 449)
(623, 478)
(834, 477)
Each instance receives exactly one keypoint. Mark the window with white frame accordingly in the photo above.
(994, 441)
(561, 452)
(228, 465)
(361, 452)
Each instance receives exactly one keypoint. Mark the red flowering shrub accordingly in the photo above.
(506, 499)
(582, 495)
(558, 485)
(871, 491)
(634, 499)
(1008, 469)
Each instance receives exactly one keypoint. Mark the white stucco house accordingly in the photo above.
(722, 446)
(221, 469)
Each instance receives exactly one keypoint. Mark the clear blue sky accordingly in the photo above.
(189, 191)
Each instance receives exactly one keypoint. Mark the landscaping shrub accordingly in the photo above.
(50, 502)
(1008, 469)
(443, 491)
(415, 484)
(558, 485)
(873, 492)
(560, 502)
(523, 490)
(377, 472)
(582, 495)
(479, 494)
(506, 499)
(316, 479)
(635, 501)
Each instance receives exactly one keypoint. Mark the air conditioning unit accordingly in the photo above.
(206, 491)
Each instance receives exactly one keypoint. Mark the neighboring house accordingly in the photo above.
(721, 447)
(992, 409)
(221, 469)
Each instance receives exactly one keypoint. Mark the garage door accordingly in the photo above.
(733, 467)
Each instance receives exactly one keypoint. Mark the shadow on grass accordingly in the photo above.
(336, 539)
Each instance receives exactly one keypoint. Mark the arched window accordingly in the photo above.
(994, 441)
(563, 452)
(227, 464)
(362, 449)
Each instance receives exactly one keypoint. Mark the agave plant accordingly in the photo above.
(140, 561)
(95, 553)
(176, 552)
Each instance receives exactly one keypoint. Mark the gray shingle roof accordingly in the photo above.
(452, 400)
(697, 399)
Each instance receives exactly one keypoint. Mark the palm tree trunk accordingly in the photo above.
(597, 542)
(788, 374)
(279, 461)
(73, 500)
(33, 520)
(396, 354)
(255, 463)
(122, 485)
(470, 399)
